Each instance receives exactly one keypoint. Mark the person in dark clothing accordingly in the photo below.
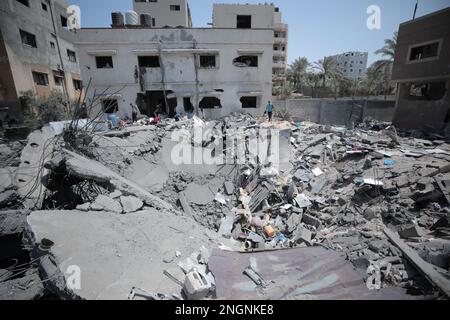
(134, 112)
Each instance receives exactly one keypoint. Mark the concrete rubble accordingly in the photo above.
(143, 227)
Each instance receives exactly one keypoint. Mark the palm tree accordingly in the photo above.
(297, 72)
(327, 69)
(374, 79)
(388, 50)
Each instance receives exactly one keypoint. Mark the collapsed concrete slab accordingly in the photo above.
(117, 252)
(34, 155)
(85, 168)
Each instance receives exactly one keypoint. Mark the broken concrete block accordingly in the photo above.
(103, 202)
(226, 226)
(293, 221)
(196, 285)
(84, 207)
(199, 194)
(229, 188)
(220, 198)
(131, 204)
(302, 235)
(318, 184)
(303, 201)
(116, 194)
(409, 232)
(317, 172)
(377, 245)
(312, 221)
(372, 213)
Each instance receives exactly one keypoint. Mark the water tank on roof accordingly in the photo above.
(117, 19)
(132, 18)
(146, 20)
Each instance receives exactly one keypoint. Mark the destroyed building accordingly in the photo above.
(185, 70)
(225, 206)
(37, 52)
(422, 72)
(257, 16)
(175, 13)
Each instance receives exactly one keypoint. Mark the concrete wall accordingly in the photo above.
(263, 16)
(24, 59)
(160, 10)
(224, 15)
(412, 113)
(176, 50)
(335, 112)
(431, 27)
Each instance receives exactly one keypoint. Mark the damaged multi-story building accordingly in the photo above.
(422, 72)
(211, 72)
(36, 51)
(162, 14)
(258, 16)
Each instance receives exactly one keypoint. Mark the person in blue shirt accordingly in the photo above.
(269, 110)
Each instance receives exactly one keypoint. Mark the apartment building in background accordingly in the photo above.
(352, 64)
(36, 50)
(258, 16)
(422, 73)
(171, 13)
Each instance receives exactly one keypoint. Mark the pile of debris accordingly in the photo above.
(378, 197)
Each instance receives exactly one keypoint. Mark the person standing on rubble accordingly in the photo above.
(134, 111)
(269, 110)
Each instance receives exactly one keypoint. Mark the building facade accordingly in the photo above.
(208, 72)
(36, 50)
(171, 13)
(258, 16)
(352, 65)
(422, 72)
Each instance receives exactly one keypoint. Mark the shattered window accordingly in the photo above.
(104, 62)
(249, 102)
(424, 52)
(149, 62)
(427, 91)
(24, 2)
(41, 79)
(71, 55)
(246, 61)
(77, 85)
(208, 61)
(110, 105)
(64, 22)
(28, 39)
(210, 103)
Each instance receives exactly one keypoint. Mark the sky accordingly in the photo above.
(317, 28)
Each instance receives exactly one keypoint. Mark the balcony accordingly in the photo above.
(280, 27)
(279, 53)
(279, 64)
(279, 40)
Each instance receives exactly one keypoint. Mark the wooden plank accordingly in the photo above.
(424, 267)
